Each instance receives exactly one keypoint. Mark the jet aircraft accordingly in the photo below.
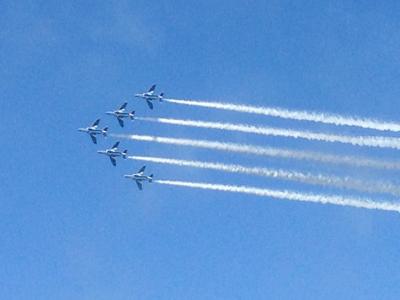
(94, 130)
(150, 95)
(139, 177)
(121, 113)
(113, 153)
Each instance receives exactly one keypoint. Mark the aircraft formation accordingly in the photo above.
(120, 114)
(124, 115)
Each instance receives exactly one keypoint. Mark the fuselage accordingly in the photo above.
(120, 114)
(112, 153)
(91, 130)
(139, 177)
(149, 96)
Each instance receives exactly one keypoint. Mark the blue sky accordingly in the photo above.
(73, 228)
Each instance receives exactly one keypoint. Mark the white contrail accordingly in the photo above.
(296, 115)
(288, 195)
(265, 151)
(344, 183)
(368, 141)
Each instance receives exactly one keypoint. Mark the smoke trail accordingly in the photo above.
(288, 195)
(295, 115)
(265, 151)
(344, 183)
(368, 141)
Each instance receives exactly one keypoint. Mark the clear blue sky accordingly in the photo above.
(72, 228)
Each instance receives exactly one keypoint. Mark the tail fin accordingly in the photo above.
(151, 178)
(132, 114)
(125, 153)
(105, 131)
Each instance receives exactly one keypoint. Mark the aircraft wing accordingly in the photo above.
(141, 170)
(123, 106)
(149, 104)
(94, 140)
(139, 185)
(96, 123)
(113, 161)
(121, 122)
(115, 145)
(153, 87)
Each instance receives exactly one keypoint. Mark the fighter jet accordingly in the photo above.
(139, 177)
(113, 152)
(94, 130)
(150, 95)
(121, 113)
